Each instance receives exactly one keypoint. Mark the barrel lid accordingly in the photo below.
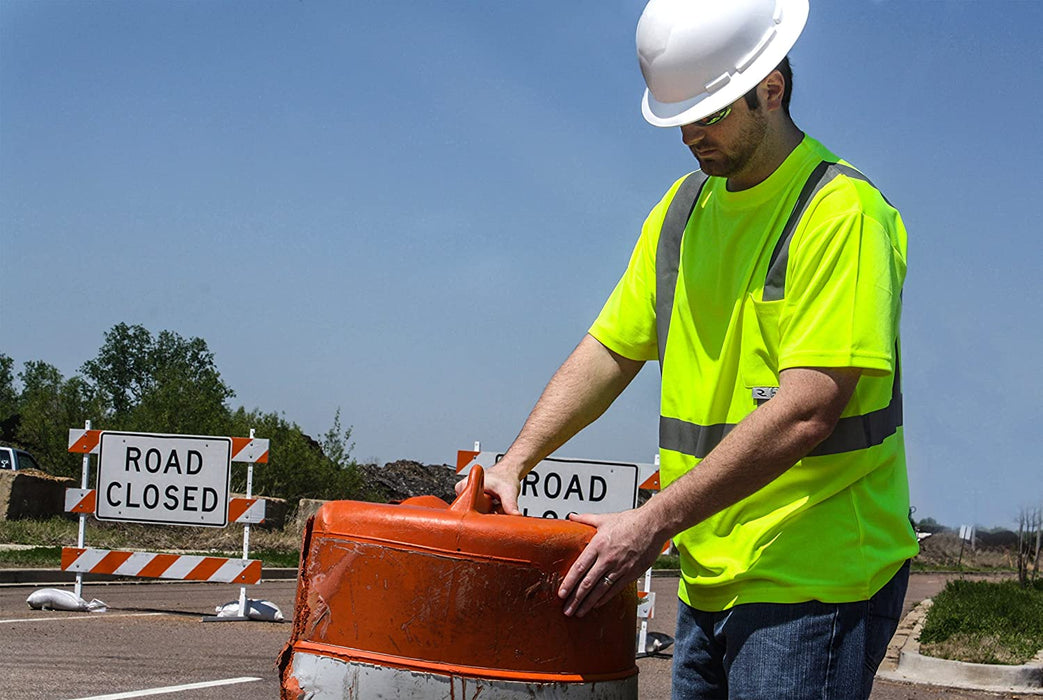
(472, 524)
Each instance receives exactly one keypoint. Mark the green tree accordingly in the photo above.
(297, 465)
(121, 372)
(49, 406)
(8, 393)
(337, 444)
(8, 401)
(165, 384)
(169, 384)
(930, 525)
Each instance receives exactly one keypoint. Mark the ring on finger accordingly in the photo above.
(607, 580)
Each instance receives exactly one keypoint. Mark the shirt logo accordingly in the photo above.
(763, 393)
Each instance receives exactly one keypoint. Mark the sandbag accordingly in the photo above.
(57, 599)
(264, 610)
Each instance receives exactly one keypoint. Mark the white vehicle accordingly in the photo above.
(14, 459)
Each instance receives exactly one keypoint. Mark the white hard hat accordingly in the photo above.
(699, 56)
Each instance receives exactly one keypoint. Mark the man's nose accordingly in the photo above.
(691, 134)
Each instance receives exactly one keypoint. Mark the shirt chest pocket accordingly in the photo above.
(759, 357)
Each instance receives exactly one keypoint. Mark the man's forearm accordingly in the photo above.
(582, 389)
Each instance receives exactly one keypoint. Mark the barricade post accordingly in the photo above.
(82, 531)
(246, 531)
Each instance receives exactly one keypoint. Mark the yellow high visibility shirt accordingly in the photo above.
(749, 302)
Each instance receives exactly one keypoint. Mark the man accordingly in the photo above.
(770, 293)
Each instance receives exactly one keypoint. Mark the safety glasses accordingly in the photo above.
(714, 118)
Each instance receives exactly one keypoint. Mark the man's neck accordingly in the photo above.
(778, 144)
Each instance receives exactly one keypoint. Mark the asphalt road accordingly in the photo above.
(153, 637)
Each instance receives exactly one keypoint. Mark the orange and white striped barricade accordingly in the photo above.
(84, 441)
(250, 450)
(178, 567)
(155, 454)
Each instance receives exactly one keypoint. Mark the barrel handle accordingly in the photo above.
(474, 498)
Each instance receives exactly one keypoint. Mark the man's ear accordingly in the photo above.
(771, 90)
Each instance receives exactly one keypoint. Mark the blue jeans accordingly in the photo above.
(794, 651)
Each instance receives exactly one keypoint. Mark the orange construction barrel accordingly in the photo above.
(425, 600)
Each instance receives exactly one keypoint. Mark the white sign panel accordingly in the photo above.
(164, 479)
(967, 533)
(557, 487)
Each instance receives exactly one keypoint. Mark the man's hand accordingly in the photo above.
(622, 550)
(580, 391)
(501, 485)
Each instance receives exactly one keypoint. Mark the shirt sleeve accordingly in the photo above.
(843, 289)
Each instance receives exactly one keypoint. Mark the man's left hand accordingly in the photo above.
(622, 549)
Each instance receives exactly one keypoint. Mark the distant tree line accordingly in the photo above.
(140, 382)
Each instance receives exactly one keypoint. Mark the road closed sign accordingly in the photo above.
(557, 486)
(163, 479)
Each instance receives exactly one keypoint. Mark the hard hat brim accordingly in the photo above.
(670, 114)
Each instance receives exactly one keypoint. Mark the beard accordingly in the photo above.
(731, 159)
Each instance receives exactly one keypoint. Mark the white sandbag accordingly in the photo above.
(657, 642)
(56, 599)
(264, 610)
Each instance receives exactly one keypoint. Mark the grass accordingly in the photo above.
(56, 531)
(667, 561)
(275, 558)
(985, 622)
(35, 558)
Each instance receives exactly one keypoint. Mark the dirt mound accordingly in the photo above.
(31, 494)
(944, 550)
(403, 479)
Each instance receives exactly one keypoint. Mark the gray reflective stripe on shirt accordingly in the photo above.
(869, 429)
(668, 253)
(691, 438)
(824, 173)
(852, 433)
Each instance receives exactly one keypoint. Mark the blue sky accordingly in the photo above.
(413, 211)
